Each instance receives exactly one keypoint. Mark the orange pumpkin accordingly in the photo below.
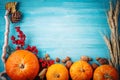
(105, 72)
(57, 72)
(81, 70)
(22, 65)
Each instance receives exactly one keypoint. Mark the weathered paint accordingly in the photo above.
(62, 27)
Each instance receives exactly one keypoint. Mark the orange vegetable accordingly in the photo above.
(81, 70)
(105, 72)
(57, 72)
(22, 65)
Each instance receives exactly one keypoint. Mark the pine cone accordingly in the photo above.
(16, 16)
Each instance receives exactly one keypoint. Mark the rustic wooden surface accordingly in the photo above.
(61, 27)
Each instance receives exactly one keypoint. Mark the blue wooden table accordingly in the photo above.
(61, 27)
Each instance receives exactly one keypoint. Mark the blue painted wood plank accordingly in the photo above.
(61, 27)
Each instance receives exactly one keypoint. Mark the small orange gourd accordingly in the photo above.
(81, 70)
(57, 72)
(22, 65)
(105, 72)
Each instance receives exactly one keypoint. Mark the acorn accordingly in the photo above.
(94, 66)
(98, 58)
(57, 59)
(67, 58)
(102, 60)
(68, 64)
(47, 58)
(85, 58)
(63, 60)
(46, 55)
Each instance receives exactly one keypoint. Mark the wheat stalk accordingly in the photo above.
(113, 43)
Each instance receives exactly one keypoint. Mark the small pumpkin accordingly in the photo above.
(105, 72)
(57, 72)
(22, 65)
(81, 70)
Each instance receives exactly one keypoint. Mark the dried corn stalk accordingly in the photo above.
(113, 42)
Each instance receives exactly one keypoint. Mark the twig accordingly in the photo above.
(3, 57)
(1, 75)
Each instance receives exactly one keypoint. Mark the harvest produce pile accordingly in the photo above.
(24, 62)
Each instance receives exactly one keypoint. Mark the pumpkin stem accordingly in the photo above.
(57, 75)
(22, 66)
(82, 70)
(107, 76)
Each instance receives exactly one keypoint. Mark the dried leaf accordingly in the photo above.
(43, 73)
(11, 6)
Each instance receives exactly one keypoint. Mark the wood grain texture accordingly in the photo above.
(62, 27)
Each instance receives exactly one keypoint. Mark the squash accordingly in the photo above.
(81, 70)
(57, 72)
(105, 72)
(22, 65)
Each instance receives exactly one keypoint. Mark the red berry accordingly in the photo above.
(45, 62)
(20, 36)
(40, 60)
(18, 42)
(36, 51)
(23, 37)
(17, 29)
(49, 65)
(22, 43)
(28, 47)
(17, 48)
(14, 42)
(33, 48)
(20, 33)
(43, 65)
(52, 61)
(12, 38)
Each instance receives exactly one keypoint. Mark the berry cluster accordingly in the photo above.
(46, 63)
(20, 42)
(32, 49)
